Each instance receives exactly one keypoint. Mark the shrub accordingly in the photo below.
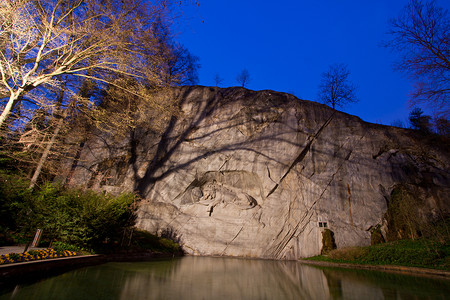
(82, 218)
(169, 245)
(376, 237)
(14, 196)
(61, 247)
(348, 254)
(328, 242)
(403, 217)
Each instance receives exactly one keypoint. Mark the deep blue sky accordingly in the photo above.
(287, 44)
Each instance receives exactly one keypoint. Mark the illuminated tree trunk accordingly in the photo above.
(9, 106)
(46, 152)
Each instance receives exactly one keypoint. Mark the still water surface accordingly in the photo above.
(227, 278)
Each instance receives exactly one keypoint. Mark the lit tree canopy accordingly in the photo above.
(40, 40)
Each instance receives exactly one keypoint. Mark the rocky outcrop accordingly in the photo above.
(261, 174)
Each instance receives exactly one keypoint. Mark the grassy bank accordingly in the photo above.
(418, 253)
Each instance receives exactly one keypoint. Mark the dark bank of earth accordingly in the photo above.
(262, 174)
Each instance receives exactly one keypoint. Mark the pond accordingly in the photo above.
(227, 278)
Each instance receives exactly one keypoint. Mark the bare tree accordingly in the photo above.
(243, 78)
(335, 88)
(218, 80)
(442, 126)
(40, 40)
(421, 34)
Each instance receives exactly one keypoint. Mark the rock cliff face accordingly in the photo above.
(261, 174)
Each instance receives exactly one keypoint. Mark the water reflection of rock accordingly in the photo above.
(218, 278)
(228, 278)
(364, 284)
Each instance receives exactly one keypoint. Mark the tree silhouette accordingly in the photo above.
(335, 89)
(419, 121)
(243, 78)
(218, 80)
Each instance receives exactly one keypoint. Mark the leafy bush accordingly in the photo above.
(376, 236)
(61, 247)
(14, 196)
(82, 218)
(71, 220)
(328, 242)
(169, 244)
(404, 221)
(405, 252)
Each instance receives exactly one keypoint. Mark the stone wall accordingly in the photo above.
(260, 174)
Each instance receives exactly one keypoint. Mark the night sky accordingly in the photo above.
(286, 45)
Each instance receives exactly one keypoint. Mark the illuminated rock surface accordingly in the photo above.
(256, 174)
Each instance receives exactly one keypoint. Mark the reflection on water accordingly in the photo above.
(228, 278)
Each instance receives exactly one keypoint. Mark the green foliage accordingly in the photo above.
(72, 220)
(61, 247)
(143, 240)
(33, 252)
(376, 237)
(407, 219)
(14, 256)
(439, 231)
(328, 242)
(82, 218)
(348, 254)
(14, 196)
(418, 253)
(402, 216)
(169, 244)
